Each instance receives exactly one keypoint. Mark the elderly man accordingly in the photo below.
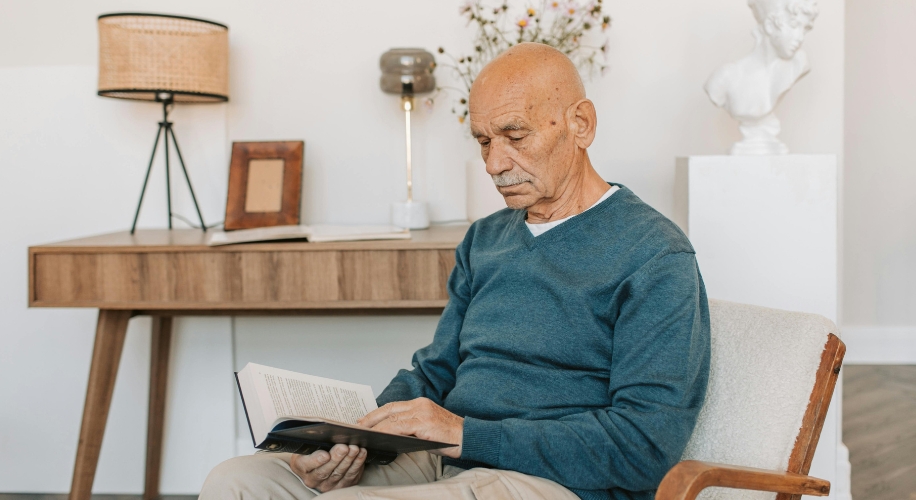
(572, 357)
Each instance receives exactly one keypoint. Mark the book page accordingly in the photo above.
(324, 233)
(272, 233)
(286, 394)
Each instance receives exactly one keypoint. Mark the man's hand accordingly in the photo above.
(324, 471)
(421, 418)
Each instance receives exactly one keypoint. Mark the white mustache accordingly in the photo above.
(510, 178)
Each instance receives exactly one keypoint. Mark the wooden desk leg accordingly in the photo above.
(106, 354)
(158, 376)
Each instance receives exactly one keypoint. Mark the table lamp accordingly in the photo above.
(166, 59)
(408, 72)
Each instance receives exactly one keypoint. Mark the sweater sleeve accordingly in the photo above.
(657, 382)
(434, 366)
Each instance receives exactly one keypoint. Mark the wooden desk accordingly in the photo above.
(167, 273)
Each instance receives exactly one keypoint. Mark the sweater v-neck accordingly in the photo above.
(531, 241)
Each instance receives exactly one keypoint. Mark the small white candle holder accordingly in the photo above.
(409, 215)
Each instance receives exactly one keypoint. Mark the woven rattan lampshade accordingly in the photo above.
(143, 55)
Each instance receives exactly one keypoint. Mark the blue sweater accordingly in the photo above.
(580, 356)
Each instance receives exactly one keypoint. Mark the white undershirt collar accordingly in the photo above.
(539, 229)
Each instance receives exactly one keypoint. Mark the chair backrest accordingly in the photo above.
(771, 377)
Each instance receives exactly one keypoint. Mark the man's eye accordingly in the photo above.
(515, 139)
(484, 144)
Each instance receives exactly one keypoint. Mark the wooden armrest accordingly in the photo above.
(688, 478)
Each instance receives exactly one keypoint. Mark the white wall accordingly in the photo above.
(71, 164)
(880, 238)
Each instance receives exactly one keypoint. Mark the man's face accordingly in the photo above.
(524, 140)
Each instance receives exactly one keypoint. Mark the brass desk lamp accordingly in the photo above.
(408, 72)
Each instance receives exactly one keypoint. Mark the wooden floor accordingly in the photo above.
(879, 427)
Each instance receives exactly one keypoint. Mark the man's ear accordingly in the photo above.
(584, 121)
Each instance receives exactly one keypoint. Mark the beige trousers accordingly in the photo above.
(413, 476)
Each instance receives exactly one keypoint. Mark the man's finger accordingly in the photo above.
(356, 468)
(302, 465)
(344, 464)
(375, 416)
(312, 461)
(402, 427)
(323, 473)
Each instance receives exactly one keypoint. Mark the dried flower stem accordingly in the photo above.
(559, 24)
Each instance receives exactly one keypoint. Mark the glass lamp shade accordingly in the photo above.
(407, 71)
(142, 56)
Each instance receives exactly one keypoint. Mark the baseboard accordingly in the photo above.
(842, 485)
(880, 345)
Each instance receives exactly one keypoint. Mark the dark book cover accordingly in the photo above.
(305, 437)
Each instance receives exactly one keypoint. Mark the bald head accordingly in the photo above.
(533, 69)
(529, 113)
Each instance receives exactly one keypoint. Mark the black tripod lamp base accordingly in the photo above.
(166, 131)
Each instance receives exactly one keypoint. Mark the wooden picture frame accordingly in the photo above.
(265, 184)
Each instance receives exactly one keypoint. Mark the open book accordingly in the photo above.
(297, 413)
(315, 234)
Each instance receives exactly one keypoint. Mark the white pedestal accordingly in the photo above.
(765, 232)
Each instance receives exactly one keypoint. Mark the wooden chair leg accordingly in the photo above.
(106, 355)
(158, 378)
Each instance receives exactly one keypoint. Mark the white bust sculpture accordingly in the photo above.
(751, 87)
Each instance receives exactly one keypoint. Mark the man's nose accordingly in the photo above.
(498, 161)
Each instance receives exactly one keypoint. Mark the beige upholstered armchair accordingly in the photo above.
(771, 378)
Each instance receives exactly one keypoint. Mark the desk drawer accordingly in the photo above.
(221, 279)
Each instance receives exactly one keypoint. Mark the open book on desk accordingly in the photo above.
(297, 413)
(315, 234)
